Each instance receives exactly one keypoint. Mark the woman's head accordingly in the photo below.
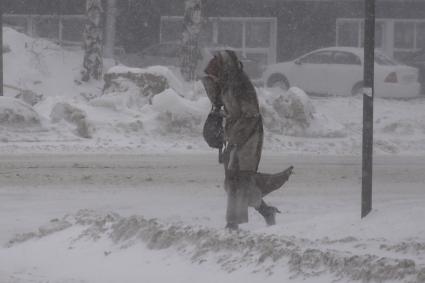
(224, 65)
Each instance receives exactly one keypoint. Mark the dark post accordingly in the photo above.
(368, 92)
(1, 44)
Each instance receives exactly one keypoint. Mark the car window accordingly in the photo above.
(346, 58)
(382, 59)
(321, 57)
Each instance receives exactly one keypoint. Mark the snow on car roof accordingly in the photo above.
(355, 50)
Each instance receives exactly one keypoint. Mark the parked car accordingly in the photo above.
(417, 60)
(168, 54)
(339, 71)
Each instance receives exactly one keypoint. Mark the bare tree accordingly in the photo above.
(93, 41)
(1, 43)
(190, 53)
(111, 12)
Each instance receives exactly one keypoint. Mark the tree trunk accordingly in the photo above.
(93, 62)
(190, 53)
(111, 12)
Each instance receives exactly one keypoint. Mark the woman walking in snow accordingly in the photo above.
(228, 85)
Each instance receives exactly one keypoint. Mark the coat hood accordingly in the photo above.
(225, 66)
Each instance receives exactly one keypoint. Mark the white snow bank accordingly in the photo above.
(171, 102)
(294, 122)
(292, 113)
(231, 252)
(17, 114)
(179, 115)
(172, 79)
(128, 97)
(71, 114)
(39, 65)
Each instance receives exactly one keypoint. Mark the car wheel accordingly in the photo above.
(357, 89)
(278, 80)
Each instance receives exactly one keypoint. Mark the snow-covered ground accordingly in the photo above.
(123, 121)
(160, 218)
(116, 186)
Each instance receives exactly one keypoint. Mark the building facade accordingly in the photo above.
(267, 30)
(396, 37)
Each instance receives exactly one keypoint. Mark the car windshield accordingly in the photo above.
(382, 59)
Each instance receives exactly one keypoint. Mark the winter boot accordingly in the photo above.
(268, 212)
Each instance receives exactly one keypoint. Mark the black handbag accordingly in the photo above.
(213, 130)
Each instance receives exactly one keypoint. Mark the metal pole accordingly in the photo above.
(368, 92)
(1, 44)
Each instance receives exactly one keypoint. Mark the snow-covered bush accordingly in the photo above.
(117, 80)
(295, 106)
(17, 114)
(133, 88)
(124, 94)
(179, 115)
(71, 114)
(292, 113)
(29, 97)
(288, 112)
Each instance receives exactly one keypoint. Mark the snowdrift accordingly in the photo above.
(111, 235)
(292, 113)
(17, 115)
